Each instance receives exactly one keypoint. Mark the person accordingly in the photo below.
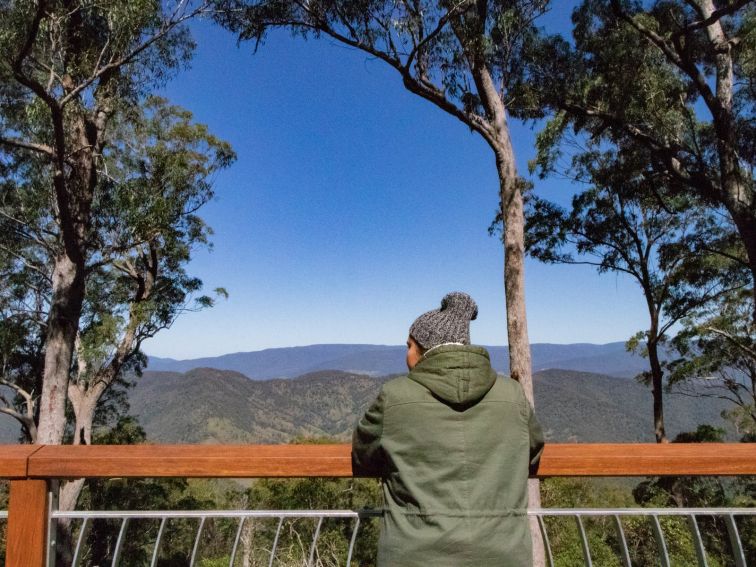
(453, 444)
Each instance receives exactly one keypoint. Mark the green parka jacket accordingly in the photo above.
(453, 444)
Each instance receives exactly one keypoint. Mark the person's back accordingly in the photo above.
(453, 444)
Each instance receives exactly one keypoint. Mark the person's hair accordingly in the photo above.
(420, 347)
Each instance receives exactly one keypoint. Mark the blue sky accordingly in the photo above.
(354, 206)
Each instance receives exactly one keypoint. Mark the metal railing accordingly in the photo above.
(31, 519)
(202, 516)
(653, 515)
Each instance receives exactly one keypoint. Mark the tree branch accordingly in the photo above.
(26, 263)
(26, 420)
(734, 340)
(674, 53)
(167, 27)
(453, 12)
(713, 18)
(33, 237)
(419, 87)
(23, 53)
(40, 148)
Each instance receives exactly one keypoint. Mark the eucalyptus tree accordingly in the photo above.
(156, 175)
(468, 58)
(67, 67)
(717, 350)
(101, 184)
(628, 222)
(675, 77)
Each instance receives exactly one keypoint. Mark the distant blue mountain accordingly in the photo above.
(379, 360)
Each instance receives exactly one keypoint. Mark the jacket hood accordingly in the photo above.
(458, 374)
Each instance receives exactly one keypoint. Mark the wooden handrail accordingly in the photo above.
(14, 460)
(229, 461)
(238, 461)
(30, 469)
(648, 459)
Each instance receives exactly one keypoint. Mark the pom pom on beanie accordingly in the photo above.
(449, 324)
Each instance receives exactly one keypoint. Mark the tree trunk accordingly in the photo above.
(657, 376)
(62, 325)
(69, 495)
(73, 199)
(514, 284)
(737, 193)
(520, 366)
(84, 403)
(742, 209)
(510, 196)
(247, 538)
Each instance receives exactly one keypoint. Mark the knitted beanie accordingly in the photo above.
(450, 324)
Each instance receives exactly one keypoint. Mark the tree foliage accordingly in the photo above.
(100, 184)
(671, 79)
(717, 357)
(80, 153)
(440, 49)
(156, 175)
(629, 222)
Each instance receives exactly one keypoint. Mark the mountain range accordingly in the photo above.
(611, 359)
(582, 393)
(220, 406)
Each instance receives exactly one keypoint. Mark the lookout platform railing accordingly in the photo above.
(32, 470)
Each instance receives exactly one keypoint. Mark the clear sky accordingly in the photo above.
(354, 206)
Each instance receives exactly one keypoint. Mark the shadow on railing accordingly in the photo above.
(33, 470)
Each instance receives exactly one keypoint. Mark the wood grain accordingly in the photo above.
(237, 461)
(234, 461)
(13, 459)
(26, 539)
(641, 459)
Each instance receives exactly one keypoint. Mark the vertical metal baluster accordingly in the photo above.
(79, 541)
(735, 543)
(624, 551)
(155, 551)
(275, 542)
(314, 542)
(196, 542)
(546, 542)
(584, 542)
(52, 524)
(236, 541)
(119, 542)
(697, 541)
(660, 542)
(351, 542)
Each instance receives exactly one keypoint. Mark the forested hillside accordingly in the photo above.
(206, 405)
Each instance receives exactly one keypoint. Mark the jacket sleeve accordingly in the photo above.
(536, 439)
(368, 457)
